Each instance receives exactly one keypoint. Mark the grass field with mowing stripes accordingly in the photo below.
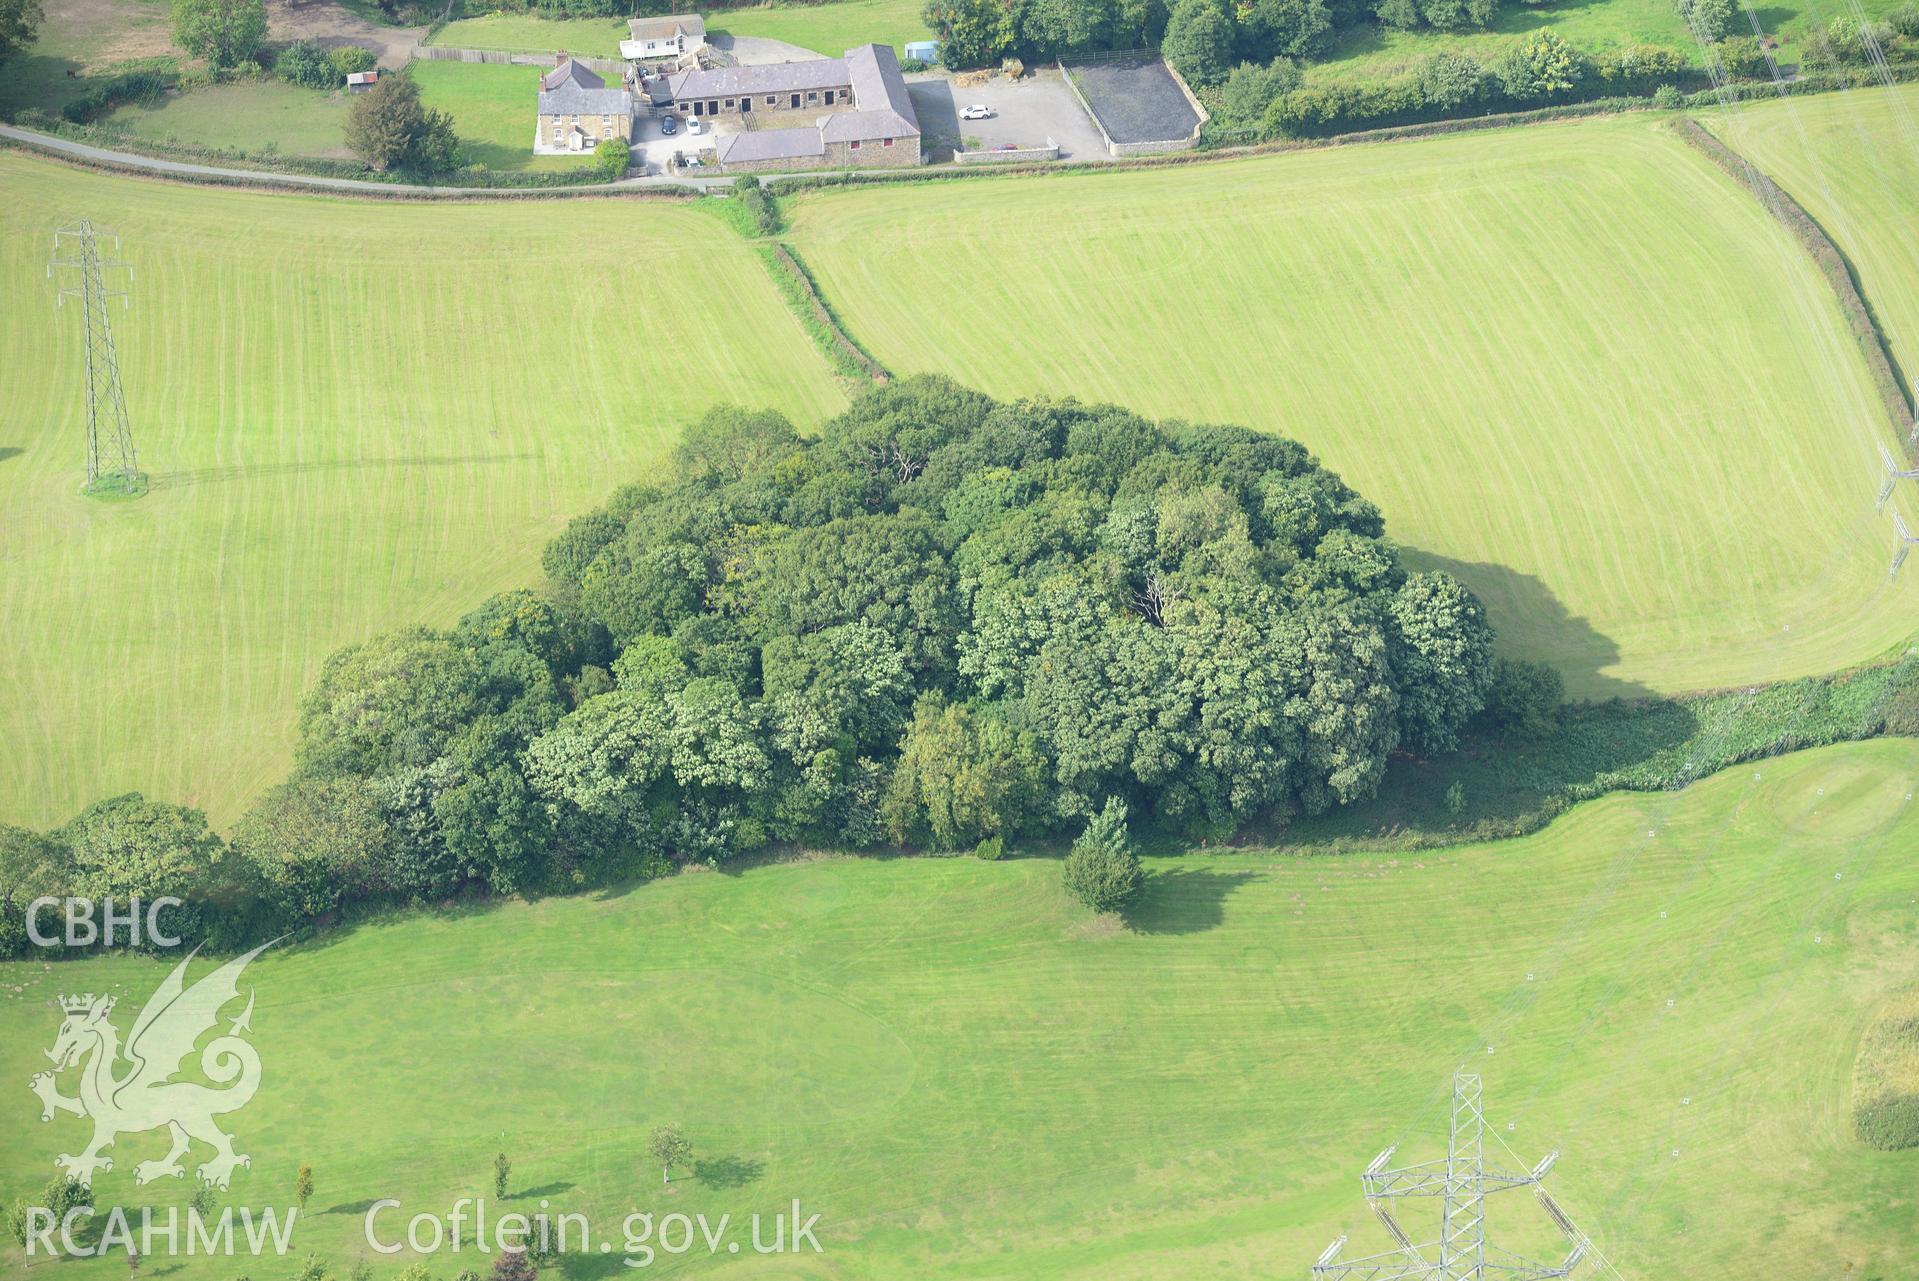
(1852, 159)
(357, 415)
(1575, 364)
(978, 1079)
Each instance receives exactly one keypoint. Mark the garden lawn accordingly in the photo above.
(251, 116)
(1852, 159)
(1575, 364)
(357, 415)
(967, 1076)
(829, 29)
(494, 109)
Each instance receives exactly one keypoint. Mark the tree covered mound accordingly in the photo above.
(944, 621)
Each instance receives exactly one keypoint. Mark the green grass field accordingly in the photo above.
(251, 116)
(977, 1080)
(356, 415)
(82, 37)
(492, 109)
(530, 33)
(1594, 26)
(828, 28)
(1575, 364)
(1852, 159)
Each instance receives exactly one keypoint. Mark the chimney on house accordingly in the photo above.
(560, 59)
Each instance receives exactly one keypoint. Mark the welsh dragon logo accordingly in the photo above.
(144, 1096)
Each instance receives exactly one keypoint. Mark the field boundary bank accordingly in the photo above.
(845, 355)
(1833, 264)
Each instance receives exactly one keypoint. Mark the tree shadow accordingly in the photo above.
(257, 471)
(10, 451)
(352, 1207)
(1582, 655)
(545, 1189)
(728, 1171)
(1183, 900)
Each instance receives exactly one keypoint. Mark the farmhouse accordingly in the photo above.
(577, 110)
(673, 36)
(855, 109)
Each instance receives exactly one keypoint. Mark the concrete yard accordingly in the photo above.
(1028, 111)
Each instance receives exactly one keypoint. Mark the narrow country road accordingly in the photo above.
(59, 146)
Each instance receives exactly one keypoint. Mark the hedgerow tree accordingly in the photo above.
(1200, 35)
(972, 33)
(389, 129)
(1290, 28)
(1709, 20)
(19, 24)
(1101, 870)
(1539, 67)
(224, 32)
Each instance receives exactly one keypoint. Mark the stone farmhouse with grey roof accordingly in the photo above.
(578, 111)
(826, 113)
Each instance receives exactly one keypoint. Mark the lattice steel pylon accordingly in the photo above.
(81, 271)
(1462, 1182)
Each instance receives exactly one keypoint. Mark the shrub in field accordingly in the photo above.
(389, 129)
(1667, 97)
(1850, 42)
(225, 33)
(1709, 20)
(1743, 56)
(990, 850)
(1905, 21)
(1251, 88)
(1448, 81)
(1102, 871)
(613, 157)
(131, 86)
(1539, 68)
(1636, 66)
(347, 59)
(1521, 699)
(766, 214)
(307, 64)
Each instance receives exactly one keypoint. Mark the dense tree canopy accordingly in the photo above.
(943, 622)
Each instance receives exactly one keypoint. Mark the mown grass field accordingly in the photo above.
(356, 415)
(1574, 364)
(1852, 159)
(975, 1079)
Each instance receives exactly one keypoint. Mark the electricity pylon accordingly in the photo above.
(76, 255)
(1903, 542)
(1894, 474)
(1461, 1181)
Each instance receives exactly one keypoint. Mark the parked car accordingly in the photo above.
(669, 125)
(978, 111)
(694, 126)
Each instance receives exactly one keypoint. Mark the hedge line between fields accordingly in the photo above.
(797, 284)
(1832, 262)
(1645, 745)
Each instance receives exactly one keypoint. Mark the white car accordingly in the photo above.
(694, 126)
(978, 111)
